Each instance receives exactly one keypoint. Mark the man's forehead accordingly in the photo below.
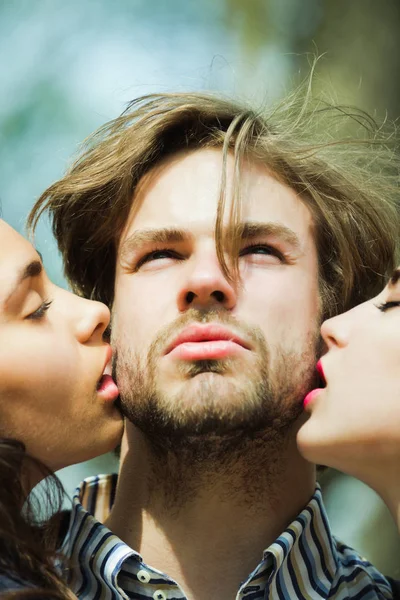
(185, 191)
(186, 184)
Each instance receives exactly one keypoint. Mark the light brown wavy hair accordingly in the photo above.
(337, 159)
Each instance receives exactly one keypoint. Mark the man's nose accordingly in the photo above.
(205, 285)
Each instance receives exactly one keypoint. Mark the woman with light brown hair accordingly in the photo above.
(57, 408)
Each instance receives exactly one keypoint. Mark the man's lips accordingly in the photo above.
(206, 342)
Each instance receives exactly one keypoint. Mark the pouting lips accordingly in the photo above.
(198, 333)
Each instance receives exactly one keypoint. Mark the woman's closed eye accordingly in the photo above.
(40, 312)
(388, 305)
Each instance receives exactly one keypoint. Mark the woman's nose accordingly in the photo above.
(93, 320)
(335, 331)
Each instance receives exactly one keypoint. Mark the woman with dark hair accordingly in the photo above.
(354, 423)
(57, 408)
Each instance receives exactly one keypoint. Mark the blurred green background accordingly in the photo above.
(67, 67)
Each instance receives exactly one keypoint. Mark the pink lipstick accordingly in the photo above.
(311, 395)
(107, 388)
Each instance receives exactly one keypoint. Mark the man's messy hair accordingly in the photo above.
(340, 162)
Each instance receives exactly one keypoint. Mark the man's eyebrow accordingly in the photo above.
(247, 231)
(395, 277)
(252, 230)
(32, 269)
(143, 237)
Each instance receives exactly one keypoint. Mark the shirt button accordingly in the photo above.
(143, 576)
(159, 595)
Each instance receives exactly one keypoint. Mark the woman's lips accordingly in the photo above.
(107, 388)
(206, 342)
(310, 396)
(320, 370)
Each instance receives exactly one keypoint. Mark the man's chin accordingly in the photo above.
(190, 369)
(203, 387)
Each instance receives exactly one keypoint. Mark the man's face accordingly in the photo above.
(196, 353)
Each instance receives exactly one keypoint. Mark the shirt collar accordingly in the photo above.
(305, 555)
(88, 542)
(307, 542)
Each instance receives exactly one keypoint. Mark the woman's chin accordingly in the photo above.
(322, 446)
(351, 452)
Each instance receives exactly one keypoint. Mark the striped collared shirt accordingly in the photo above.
(305, 562)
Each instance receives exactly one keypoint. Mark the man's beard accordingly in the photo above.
(221, 403)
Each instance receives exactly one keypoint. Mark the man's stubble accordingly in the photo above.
(229, 416)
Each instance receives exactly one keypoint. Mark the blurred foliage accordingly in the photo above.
(359, 41)
(252, 20)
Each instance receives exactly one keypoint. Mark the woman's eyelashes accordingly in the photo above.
(40, 312)
(387, 305)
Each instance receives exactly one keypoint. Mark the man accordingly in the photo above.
(220, 239)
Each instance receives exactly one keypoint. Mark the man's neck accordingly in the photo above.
(207, 529)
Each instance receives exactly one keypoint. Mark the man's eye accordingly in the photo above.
(261, 249)
(387, 305)
(40, 312)
(156, 255)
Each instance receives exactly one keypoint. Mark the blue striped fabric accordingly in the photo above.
(306, 562)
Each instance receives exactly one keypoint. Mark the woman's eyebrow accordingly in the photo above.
(33, 269)
(395, 277)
